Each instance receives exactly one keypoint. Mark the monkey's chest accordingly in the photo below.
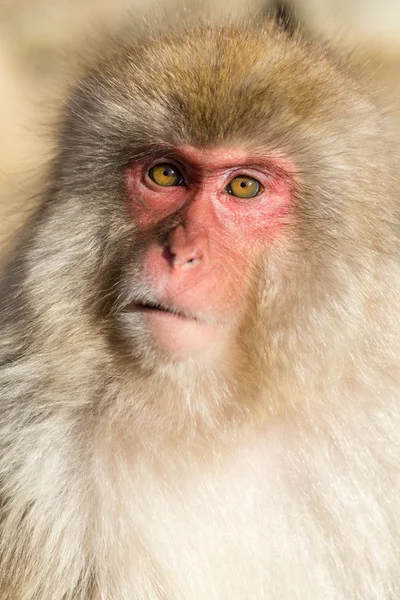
(194, 535)
(247, 530)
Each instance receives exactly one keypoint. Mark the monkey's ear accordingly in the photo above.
(285, 16)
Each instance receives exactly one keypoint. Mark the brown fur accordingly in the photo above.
(272, 474)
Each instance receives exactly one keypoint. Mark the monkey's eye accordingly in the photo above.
(165, 175)
(244, 187)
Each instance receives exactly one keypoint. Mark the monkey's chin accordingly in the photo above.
(179, 337)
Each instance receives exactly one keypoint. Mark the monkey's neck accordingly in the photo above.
(183, 404)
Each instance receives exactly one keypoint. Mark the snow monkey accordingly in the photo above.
(199, 347)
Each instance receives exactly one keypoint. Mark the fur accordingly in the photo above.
(272, 474)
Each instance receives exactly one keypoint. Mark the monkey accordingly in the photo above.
(199, 349)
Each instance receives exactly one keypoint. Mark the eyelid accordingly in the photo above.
(166, 160)
(253, 172)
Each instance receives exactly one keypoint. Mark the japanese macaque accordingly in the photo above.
(200, 333)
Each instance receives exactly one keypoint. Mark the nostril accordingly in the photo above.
(168, 256)
(182, 259)
(192, 262)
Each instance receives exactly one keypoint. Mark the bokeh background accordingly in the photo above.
(42, 42)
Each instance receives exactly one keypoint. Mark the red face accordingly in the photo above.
(218, 209)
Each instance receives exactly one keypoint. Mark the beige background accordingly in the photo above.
(40, 45)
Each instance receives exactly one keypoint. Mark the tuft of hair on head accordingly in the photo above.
(285, 16)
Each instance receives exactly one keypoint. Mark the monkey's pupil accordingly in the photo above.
(243, 184)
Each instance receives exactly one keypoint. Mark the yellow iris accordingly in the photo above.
(244, 187)
(165, 175)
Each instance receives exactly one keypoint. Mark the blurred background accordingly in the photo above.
(41, 42)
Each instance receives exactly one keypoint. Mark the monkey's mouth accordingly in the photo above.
(155, 307)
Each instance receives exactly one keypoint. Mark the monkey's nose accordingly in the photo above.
(186, 249)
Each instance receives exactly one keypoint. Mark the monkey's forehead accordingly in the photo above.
(211, 85)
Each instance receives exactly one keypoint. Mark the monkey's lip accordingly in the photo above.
(155, 307)
(161, 308)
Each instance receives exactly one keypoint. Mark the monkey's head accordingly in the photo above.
(208, 194)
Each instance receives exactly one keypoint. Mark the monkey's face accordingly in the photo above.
(210, 189)
(204, 217)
